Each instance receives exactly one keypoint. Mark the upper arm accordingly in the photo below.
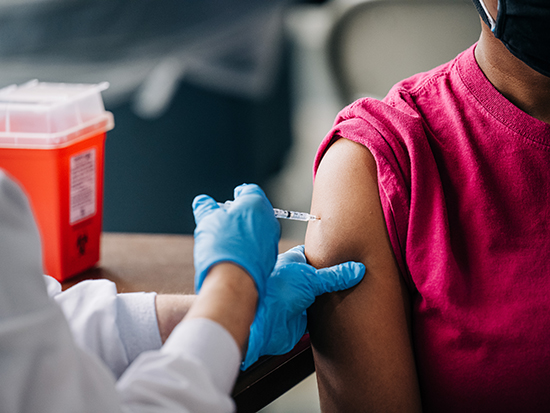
(361, 337)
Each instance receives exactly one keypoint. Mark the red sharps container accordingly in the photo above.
(52, 139)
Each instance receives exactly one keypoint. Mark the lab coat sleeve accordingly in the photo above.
(196, 368)
(115, 327)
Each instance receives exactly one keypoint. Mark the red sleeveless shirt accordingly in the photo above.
(464, 180)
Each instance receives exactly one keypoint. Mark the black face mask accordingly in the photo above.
(524, 28)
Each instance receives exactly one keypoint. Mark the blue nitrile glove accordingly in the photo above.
(245, 233)
(281, 318)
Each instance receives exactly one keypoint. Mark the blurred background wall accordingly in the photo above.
(200, 92)
(209, 94)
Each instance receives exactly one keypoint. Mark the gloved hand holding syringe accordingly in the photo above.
(281, 213)
(244, 232)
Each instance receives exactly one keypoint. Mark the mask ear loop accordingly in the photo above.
(492, 22)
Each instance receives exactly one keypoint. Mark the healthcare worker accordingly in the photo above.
(45, 370)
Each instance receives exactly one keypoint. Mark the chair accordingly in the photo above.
(374, 44)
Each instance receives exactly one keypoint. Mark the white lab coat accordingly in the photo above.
(45, 370)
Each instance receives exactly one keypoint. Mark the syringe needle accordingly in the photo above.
(298, 216)
(282, 213)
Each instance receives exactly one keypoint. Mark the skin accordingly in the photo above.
(361, 337)
(228, 296)
(170, 310)
(521, 85)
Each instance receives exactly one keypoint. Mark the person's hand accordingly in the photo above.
(245, 233)
(291, 288)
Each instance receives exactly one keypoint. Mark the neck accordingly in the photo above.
(524, 87)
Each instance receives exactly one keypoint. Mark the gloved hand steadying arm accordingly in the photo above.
(291, 288)
(246, 233)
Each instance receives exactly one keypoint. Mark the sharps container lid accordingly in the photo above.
(48, 115)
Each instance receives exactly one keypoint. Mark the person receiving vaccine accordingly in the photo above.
(442, 189)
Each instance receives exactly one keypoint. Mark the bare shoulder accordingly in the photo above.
(361, 337)
(346, 198)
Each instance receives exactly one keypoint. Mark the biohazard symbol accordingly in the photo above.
(81, 243)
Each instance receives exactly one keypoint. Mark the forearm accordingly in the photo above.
(171, 309)
(200, 360)
(229, 297)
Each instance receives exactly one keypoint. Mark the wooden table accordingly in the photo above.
(164, 263)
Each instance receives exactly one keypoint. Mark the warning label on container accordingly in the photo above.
(83, 186)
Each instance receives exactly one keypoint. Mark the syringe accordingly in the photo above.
(282, 213)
